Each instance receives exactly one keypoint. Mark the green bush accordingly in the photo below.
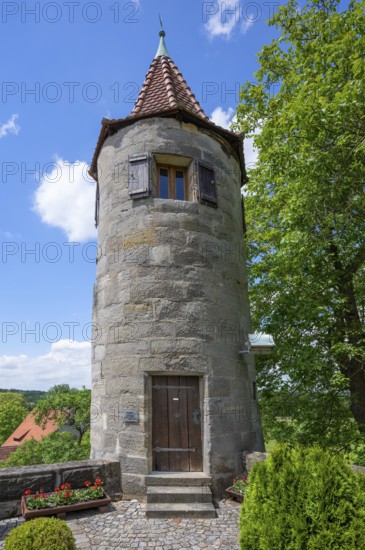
(303, 498)
(41, 534)
(57, 447)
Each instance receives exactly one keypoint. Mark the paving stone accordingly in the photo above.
(116, 529)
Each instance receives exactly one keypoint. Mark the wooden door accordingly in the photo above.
(176, 424)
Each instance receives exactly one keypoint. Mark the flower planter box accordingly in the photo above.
(60, 511)
(231, 493)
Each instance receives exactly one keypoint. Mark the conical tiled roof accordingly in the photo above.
(165, 93)
(165, 88)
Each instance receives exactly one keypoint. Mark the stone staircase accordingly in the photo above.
(179, 495)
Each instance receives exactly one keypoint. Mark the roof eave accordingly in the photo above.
(111, 126)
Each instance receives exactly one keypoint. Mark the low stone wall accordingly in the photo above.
(249, 459)
(358, 469)
(14, 481)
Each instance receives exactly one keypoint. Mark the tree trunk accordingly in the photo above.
(353, 366)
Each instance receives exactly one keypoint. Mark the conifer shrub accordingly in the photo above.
(41, 534)
(303, 499)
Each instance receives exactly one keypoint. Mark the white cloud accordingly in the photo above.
(65, 198)
(246, 25)
(222, 17)
(251, 152)
(222, 23)
(223, 118)
(10, 234)
(10, 127)
(66, 363)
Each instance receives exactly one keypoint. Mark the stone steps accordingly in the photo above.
(181, 510)
(161, 494)
(179, 495)
(178, 479)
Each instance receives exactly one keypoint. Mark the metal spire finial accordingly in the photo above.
(162, 50)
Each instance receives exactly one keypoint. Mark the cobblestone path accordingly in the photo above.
(125, 527)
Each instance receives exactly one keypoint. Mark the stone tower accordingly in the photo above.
(170, 389)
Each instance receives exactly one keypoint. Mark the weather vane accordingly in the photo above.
(161, 22)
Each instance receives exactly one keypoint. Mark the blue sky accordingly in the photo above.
(64, 66)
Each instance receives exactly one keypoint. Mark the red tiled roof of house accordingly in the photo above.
(5, 452)
(28, 429)
(164, 89)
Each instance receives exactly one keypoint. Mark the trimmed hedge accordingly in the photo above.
(303, 499)
(41, 534)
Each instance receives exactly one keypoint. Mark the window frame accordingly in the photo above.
(171, 175)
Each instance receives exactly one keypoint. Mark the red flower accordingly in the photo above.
(28, 492)
(234, 480)
(68, 486)
(244, 478)
(94, 487)
(98, 481)
(57, 489)
(63, 487)
(87, 483)
(43, 495)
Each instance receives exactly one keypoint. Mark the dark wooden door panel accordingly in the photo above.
(160, 435)
(184, 427)
(176, 424)
(194, 415)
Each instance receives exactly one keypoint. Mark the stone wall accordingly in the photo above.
(14, 481)
(249, 459)
(171, 298)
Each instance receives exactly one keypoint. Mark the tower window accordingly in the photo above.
(172, 183)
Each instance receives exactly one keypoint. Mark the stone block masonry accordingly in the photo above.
(171, 300)
(14, 481)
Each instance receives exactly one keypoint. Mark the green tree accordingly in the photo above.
(27, 454)
(63, 404)
(305, 209)
(13, 410)
(56, 447)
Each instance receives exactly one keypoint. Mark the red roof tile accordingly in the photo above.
(165, 93)
(28, 429)
(5, 452)
(164, 89)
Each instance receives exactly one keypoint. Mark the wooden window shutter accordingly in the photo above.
(139, 176)
(97, 205)
(207, 185)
